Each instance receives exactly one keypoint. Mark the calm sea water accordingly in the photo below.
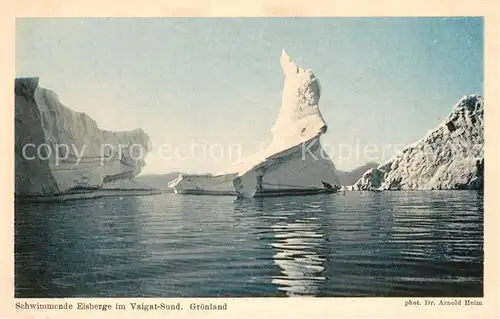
(360, 244)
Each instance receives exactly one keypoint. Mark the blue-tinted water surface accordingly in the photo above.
(360, 244)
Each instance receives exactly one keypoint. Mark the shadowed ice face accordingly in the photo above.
(299, 118)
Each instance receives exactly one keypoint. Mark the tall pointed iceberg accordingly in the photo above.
(294, 161)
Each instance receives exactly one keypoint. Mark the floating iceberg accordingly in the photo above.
(60, 151)
(203, 184)
(449, 157)
(293, 163)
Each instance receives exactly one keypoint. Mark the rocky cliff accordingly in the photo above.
(348, 178)
(58, 150)
(448, 157)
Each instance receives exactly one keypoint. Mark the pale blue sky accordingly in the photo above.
(218, 81)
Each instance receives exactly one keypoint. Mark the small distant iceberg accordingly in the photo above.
(203, 184)
(294, 163)
(450, 157)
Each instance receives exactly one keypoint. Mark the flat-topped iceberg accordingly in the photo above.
(294, 161)
(203, 184)
(449, 157)
(60, 151)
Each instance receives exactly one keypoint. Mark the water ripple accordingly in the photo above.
(360, 244)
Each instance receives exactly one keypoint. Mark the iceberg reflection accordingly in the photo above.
(298, 244)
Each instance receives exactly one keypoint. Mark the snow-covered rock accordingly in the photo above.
(449, 157)
(294, 159)
(58, 150)
(348, 178)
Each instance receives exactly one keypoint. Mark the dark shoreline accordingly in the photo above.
(87, 194)
(93, 194)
